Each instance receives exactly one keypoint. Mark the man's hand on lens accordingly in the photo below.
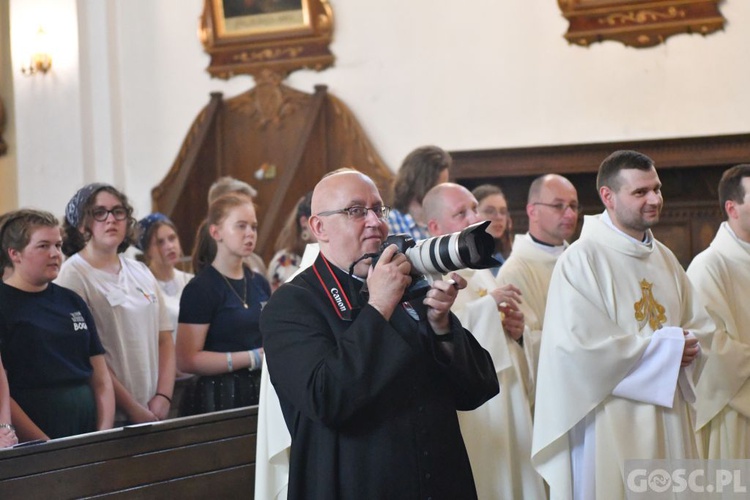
(439, 301)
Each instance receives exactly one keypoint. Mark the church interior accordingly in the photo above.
(137, 96)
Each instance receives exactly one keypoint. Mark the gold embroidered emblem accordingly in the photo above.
(648, 309)
(482, 292)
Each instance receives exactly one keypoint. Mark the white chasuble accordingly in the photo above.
(721, 276)
(497, 434)
(608, 296)
(529, 268)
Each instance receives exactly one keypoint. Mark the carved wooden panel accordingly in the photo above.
(689, 169)
(247, 36)
(276, 138)
(638, 23)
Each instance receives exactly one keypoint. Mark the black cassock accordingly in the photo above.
(370, 404)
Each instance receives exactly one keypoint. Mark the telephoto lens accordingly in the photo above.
(432, 258)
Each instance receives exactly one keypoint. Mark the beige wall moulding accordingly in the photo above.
(3, 145)
(638, 23)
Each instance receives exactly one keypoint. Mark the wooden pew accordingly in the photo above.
(205, 456)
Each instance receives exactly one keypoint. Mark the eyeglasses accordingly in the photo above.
(464, 213)
(493, 212)
(357, 212)
(100, 214)
(561, 207)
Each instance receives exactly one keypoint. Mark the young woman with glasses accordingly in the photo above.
(125, 300)
(494, 207)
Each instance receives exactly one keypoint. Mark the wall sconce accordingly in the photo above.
(41, 60)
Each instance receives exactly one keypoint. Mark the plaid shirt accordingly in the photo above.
(399, 223)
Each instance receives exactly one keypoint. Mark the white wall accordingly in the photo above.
(46, 110)
(497, 74)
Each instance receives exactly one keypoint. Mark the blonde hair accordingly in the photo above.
(226, 185)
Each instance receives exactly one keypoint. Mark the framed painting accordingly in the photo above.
(638, 23)
(247, 36)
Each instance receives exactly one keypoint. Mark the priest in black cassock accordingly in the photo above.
(369, 384)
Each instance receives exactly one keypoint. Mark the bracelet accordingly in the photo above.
(7, 426)
(255, 359)
(164, 396)
(230, 367)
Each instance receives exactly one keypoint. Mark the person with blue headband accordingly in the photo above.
(125, 300)
(162, 252)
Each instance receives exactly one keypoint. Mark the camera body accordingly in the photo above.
(432, 258)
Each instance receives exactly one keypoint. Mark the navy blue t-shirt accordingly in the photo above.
(207, 299)
(46, 338)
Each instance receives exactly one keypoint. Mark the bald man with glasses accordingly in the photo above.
(498, 434)
(553, 210)
(368, 382)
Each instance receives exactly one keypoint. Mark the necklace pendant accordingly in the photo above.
(244, 305)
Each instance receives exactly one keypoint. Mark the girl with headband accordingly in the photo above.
(162, 252)
(125, 300)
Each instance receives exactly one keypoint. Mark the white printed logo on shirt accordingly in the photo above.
(78, 322)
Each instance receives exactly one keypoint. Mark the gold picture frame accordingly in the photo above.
(638, 23)
(248, 36)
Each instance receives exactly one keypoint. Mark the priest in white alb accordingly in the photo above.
(497, 434)
(624, 339)
(553, 209)
(721, 275)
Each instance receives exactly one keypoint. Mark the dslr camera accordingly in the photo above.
(432, 258)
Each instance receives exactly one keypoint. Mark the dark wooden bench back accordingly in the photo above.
(206, 456)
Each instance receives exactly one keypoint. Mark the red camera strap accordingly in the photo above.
(333, 288)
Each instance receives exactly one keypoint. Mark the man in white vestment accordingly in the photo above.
(721, 275)
(553, 209)
(497, 434)
(624, 338)
(273, 441)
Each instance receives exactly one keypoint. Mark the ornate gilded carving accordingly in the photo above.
(648, 310)
(642, 16)
(638, 23)
(268, 54)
